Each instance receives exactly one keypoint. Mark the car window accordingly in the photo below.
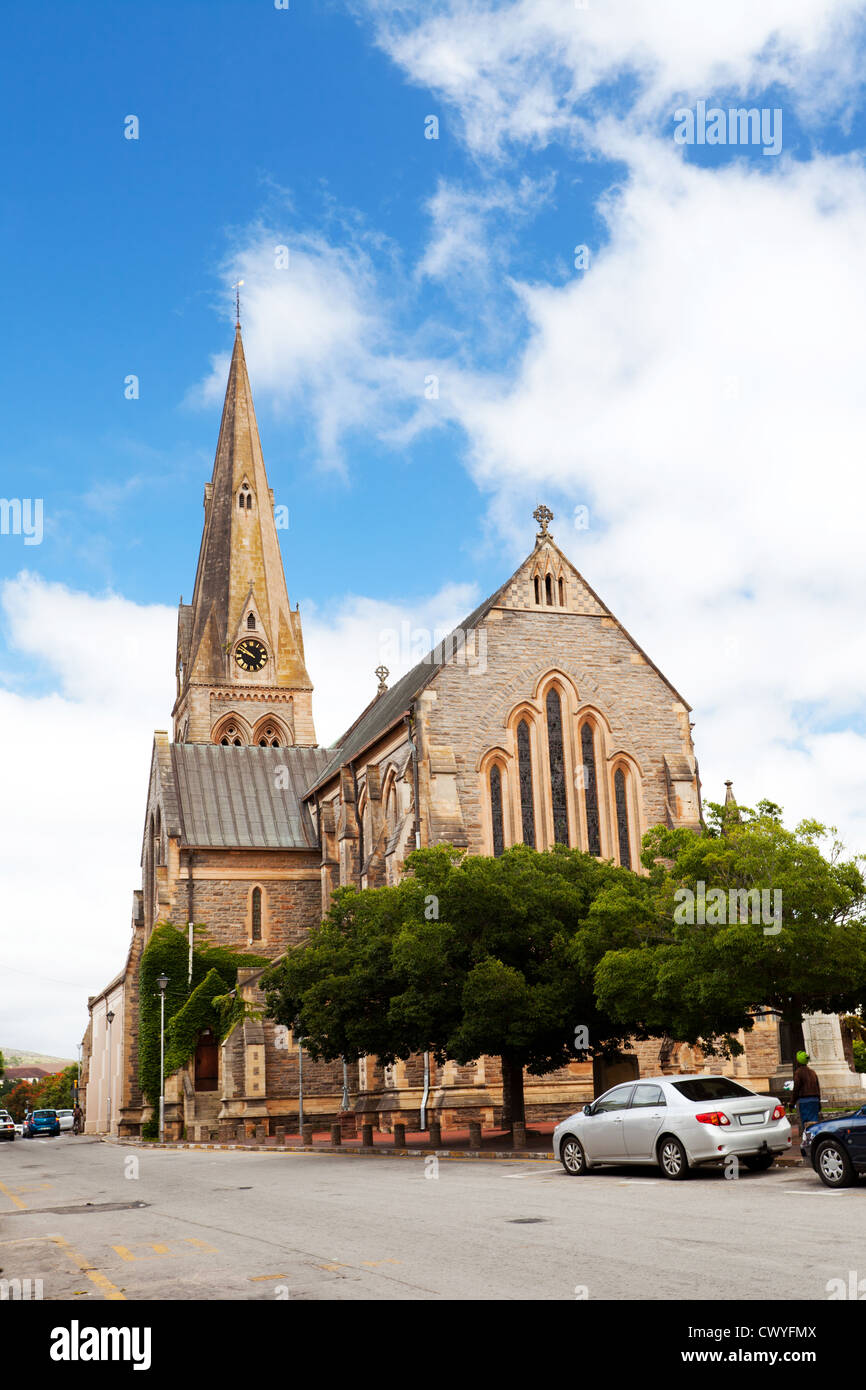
(617, 1099)
(710, 1088)
(647, 1095)
(49, 1113)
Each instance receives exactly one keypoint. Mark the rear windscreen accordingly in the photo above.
(710, 1088)
(45, 1114)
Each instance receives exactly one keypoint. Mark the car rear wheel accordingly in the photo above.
(572, 1156)
(833, 1165)
(672, 1158)
(759, 1163)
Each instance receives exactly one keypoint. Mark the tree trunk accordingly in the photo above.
(513, 1109)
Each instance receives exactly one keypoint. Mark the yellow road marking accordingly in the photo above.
(157, 1249)
(374, 1264)
(263, 1278)
(22, 1206)
(332, 1267)
(95, 1276)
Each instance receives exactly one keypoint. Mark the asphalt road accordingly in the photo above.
(99, 1221)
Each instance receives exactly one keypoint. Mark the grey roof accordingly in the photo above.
(234, 798)
(387, 708)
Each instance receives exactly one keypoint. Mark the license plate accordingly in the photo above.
(752, 1119)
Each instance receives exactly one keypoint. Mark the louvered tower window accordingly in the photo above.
(557, 768)
(524, 770)
(590, 789)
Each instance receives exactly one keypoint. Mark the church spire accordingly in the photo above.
(239, 638)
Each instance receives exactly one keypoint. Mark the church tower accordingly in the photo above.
(241, 675)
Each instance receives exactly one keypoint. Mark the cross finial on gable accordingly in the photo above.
(382, 672)
(543, 515)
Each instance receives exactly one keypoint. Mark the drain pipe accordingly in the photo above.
(426, 1094)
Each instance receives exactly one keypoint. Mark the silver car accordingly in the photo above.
(66, 1118)
(676, 1122)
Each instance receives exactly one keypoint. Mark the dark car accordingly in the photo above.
(41, 1122)
(836, 1148)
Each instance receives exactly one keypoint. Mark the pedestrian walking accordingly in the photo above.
(806, 1094)
(77, 1120)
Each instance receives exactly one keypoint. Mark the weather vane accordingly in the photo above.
(237, 290)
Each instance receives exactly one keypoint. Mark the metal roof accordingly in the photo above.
(245, 798)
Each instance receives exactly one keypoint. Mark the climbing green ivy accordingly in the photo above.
(190, 1007)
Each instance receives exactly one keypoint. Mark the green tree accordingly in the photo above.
(466, 956)
(700, 980)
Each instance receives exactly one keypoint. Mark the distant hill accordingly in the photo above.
(16, 1057)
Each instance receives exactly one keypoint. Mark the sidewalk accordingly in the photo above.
(495, 1145)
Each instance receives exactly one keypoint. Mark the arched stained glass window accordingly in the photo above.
(257, 914)
(619, 788)
(524, 770)
(590, 789)
(557, 768)
(496, 810)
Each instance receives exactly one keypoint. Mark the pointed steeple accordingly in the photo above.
(240, 596)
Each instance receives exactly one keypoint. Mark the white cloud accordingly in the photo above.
(524, 73)
(75, 763)
(317, 336)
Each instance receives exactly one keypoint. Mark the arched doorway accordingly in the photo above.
(207, 1062)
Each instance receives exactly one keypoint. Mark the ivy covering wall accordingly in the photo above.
(190, 1006)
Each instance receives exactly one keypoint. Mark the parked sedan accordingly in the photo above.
(7, 1126)
(836, 1148)
(675, 1122)
(66, 1118)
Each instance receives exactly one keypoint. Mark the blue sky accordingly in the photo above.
(697, 387)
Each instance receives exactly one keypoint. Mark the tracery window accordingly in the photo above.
(524, 772)
(269, 737)
(590, 788)
(231, 736)
(496, 810)
(557, 768)
(619, 787)
(257, 914)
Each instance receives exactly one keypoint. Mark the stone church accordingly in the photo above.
(539, 720)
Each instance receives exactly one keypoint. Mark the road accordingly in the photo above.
(99, 1221)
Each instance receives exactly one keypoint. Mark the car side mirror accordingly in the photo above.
(588, 1110)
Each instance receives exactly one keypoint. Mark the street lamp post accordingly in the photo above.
(162, 981)
(109, 1019)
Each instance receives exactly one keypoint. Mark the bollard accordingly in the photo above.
(518, 1135)
(336, 1133)
(435, 1135)
(367, 1136)
(475, 1134)
(399, 1136)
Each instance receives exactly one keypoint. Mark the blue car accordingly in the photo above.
(836, 1148)
(41, 1122)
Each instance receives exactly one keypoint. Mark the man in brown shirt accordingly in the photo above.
(806, 1094)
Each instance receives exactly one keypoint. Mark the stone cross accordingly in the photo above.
(543, 515)
(382, 672)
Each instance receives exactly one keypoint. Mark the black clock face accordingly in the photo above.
(250, 655)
